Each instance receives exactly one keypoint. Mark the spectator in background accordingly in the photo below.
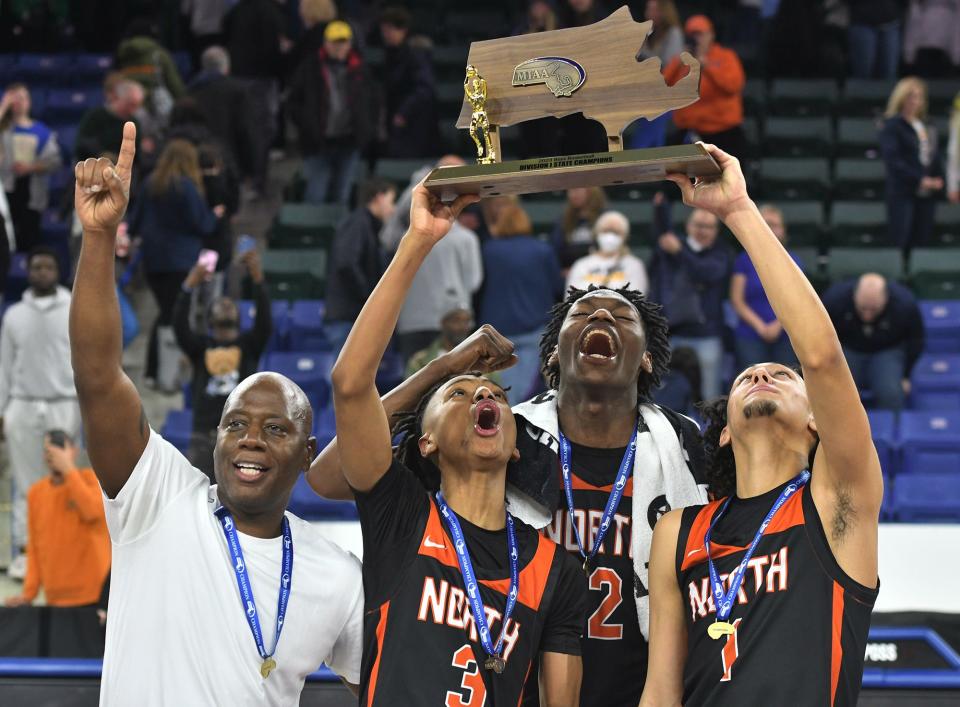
(101, 128)
(541, 136)
(690, 277)
(718, 116)
(455, 326)
(225, 106)
(611, 265)
(540, 17)
(680, 386)
(407, 77)
(666, 39)
(448, 278)
(356, 260)
(28, 154)
(522, 283)
(172, 218)
(221, 358)
(572, 236)
(206, 24)
(256, 39)
(143, 59)
(36, 383)
(881, 329)
(953, 154)
(908, 146)
(759, 336)
(330, 103)
(68, 547)
(874, 38)
(315, 15)
(931, 38)
(579, 13)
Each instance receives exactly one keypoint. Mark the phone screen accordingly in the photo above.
(245, 244)
(208, 259)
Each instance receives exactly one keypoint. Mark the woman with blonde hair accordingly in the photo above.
(522, 282)
(611, 265)
(172, 218)
(908, 145)
(572, 236)
(666, 39)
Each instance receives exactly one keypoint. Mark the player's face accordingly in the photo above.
(768, 390)
(468, 422)
(261, 448)
(602, 342)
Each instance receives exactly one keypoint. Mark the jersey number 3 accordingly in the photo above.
(600, 578)
(474, 692)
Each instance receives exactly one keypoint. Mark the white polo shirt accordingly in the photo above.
(176, 631)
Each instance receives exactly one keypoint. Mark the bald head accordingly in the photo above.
(450, 161)
(296, 404)
(870, 296)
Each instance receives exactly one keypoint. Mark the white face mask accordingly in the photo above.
(609, 242)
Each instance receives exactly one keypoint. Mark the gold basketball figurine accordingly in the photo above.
(475, 88)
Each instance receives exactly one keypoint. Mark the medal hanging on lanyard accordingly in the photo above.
(613, 502)
(246, 589)
(494, 661)
(723, 601)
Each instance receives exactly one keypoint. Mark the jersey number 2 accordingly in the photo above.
(472, 684)
(598, 627)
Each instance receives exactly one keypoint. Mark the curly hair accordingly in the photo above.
(654, 325)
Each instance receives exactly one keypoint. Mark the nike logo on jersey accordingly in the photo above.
(694, 552)
(427, 542)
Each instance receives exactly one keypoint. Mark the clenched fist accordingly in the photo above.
(103, 189)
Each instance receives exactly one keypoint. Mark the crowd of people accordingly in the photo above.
(201, 152)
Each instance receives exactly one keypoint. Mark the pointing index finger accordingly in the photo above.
(128, 150)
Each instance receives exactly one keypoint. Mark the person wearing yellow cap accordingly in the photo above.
(329, 103)
(717, 117)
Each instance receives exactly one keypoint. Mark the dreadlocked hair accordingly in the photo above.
(407, 431)
(721, 466)
(654, 325)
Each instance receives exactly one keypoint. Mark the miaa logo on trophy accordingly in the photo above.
(562, 76)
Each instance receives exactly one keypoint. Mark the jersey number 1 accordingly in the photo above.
(472, 684)
(598, 626)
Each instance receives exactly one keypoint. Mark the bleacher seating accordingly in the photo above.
(859, 224)
(883, 427)
(296, 274)
(934, 273)
(930, 441)
(306, 326)
(802, 97)
(927, 497)
(280, 314)
(936, 383)
(309, 370)
(941, 322)
(177, 428)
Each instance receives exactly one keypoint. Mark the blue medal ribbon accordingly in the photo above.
(724, 600)
(613, 502)
(246, 589)
(495, 661)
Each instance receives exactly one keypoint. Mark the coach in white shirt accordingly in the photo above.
(217, 596)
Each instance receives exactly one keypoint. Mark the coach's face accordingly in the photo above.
(602, 342)
(263, 445)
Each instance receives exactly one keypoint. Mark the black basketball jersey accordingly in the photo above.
(613, 648)
(421, 645)
(801, 621)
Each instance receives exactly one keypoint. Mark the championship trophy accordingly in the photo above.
(591, 70)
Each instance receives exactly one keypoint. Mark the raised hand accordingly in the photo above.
(486, 350)
(103, 189)
(721, 196)
(430, 218)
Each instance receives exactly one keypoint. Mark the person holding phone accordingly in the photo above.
(172, 218)
(68, 547)
(223, 355)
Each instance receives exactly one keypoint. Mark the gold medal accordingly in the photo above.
(495, 663)
(719, 629)
(268, 665)
(587, 567)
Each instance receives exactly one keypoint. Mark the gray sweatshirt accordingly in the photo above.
(35, 349)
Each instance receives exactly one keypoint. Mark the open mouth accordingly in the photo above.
(249, 471)
(486, 418)
(598, 344)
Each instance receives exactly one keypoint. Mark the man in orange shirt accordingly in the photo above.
(718, 116)
(68, 547)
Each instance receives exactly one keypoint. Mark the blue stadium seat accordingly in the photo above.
(927, 497)
(65, 105)
(306, 326)
(886, 506)
(308, 505)
(883, 425)
(67, 140)
(324, 426)
(390, 373)
(941, 320)
(309, 370)
(930, 441)
(177, 427)
(91, 68)
(16, 278)
(936, 382)
(280, 309)
(44, 69)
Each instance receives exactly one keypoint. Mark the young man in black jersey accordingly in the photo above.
(764, 597)
(462, 602)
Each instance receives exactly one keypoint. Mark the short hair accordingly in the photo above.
(216, 59)
(617, 216)
(123, 88)
(654, 326)
(398, 17)
(371, 188)
(43, 250)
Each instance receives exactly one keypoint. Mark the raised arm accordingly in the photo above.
(847, 484)
(364, 440)
(113, 417)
